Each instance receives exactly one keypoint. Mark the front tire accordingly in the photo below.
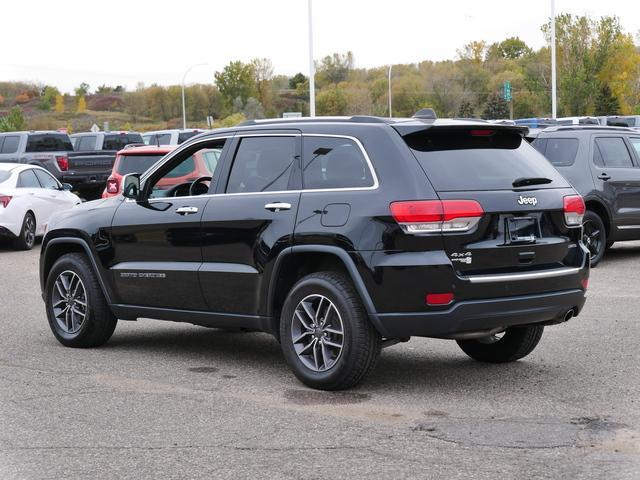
(326, 336)
(77, 310)
(594, 236)
(514, 344)
(27, 237)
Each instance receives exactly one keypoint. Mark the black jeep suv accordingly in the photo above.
(603, 165)
(338, 236)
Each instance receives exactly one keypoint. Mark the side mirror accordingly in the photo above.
(131, 185)
(67, 187)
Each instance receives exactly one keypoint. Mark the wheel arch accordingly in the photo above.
(602, 211)
(298, 261)
(57, 247)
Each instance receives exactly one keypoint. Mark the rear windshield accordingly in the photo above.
(136, 163)
(459, 160)
(49, 142)
(158, 139)
(119, 141)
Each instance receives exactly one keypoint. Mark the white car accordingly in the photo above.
(170, 137)
(28, 196)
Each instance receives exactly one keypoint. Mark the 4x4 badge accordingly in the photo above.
(527, 201)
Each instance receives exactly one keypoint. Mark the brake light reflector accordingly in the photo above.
(4, 200)
(439, 298)
(63, 163)
(482, 133)
(112, 185)
(430, 216)
(574, 209)
(585, 283)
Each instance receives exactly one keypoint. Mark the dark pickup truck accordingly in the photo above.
(92, 160)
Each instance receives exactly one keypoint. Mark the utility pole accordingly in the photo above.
(554, 100)
(312, 67)
(390, 67)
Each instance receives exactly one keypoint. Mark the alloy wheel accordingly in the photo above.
(317, 333)
(29, 230)
(592, 237)
(69, 300)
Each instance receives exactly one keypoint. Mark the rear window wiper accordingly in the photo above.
(526, 181)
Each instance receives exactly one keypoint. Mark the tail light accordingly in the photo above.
(574, 209)
(4, 200)
(112, 185)
(432, 216)
(63, 163)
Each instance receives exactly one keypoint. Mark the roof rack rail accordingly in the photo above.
(352, 119)
(556, 128)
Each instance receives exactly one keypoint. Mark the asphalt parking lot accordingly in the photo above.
(165, 400)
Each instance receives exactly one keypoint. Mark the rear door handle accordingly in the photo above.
(186, 210)
(604, 176)
(277, 206)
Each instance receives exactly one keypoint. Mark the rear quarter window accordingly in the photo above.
(10, 144)
(561, 151)
(461, 160)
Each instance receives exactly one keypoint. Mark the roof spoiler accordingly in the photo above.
(426, 114)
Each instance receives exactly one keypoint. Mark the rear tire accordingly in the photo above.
(516, 343)
(594, 236)
(27, 237)
(327, 300)
(88, 322)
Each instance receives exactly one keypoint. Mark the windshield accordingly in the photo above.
(136, 163)
(479, 159)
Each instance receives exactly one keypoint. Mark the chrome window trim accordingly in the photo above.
(375, 186)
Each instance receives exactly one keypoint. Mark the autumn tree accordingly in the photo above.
(82, 90)
(236, 80)
(496, 108)
(59, 108)
(82, 105)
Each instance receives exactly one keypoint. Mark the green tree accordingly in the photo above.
(496, 108)
(296, 79)
(14, 121)
(331, 101)
(511, 48)
(465, 110)
(606, 103)
(334, 69)
(82, 90)
(236, 80)
(263, 74)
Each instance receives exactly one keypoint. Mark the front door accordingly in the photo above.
(617, 175)
(158, 240)
(250, 221)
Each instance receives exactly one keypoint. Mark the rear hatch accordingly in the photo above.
(504, 208)
(96, 164)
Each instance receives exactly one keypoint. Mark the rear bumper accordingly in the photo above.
(478, 315)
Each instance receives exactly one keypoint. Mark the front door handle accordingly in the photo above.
(277, 206)
(604, 176)
(186, 210)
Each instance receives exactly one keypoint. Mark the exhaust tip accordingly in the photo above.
(569, 315)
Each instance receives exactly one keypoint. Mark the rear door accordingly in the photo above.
(616, 174)
(250, 220)
(521, 225)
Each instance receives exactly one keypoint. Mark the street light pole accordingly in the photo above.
(554, 100)
(312, 67)
(390, 67)
(184, 111)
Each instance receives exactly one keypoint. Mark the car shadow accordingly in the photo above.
(622, 252)
(6, 245)
(399, 368)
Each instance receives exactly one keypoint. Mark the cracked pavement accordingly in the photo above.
(165, 400)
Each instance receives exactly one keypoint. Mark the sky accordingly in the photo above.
(157, 41)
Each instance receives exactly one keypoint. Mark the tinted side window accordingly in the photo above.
(262, 164)
(10, 144)
(27, 179)
(119, 141)
(613, 152)
(86, 144)
(561, 151)
(186, 136)
(334, 163)
(46, 180)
